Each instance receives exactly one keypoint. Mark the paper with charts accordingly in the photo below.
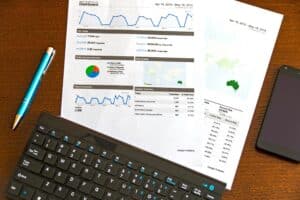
(177, 78)
(130, 73)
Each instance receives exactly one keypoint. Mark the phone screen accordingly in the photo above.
(281, 126)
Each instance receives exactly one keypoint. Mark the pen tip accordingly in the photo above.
(16, 122)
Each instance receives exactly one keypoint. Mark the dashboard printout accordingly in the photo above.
(130, 73)
(177, 78)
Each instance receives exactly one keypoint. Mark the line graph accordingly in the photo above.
(115, 100)
(138, 20)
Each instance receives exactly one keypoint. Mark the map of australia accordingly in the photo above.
(227, 75)
(234, 84)
(227, 70)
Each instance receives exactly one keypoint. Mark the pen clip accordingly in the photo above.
(50, 61)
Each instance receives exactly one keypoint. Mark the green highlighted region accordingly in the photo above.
(179, 82)
(234, 84)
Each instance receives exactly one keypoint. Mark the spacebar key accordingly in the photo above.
(28, 178)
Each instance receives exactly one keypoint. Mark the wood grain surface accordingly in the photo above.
(28, 27)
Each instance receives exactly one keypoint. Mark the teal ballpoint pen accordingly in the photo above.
(29, 95)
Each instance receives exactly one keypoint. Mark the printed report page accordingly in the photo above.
(179, 79)
(130, 73)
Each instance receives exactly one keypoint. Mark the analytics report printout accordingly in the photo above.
(179, 79)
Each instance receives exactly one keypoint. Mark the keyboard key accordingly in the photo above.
(85, 187)
(28, 178)
(36, 152)
(170, 181)
(26, 193)
(80, 144)
(138, 194)
(42, 129)
(175, 194)
(210, 196)
(55, 134)
(124, 174)
(97, 192)
(76, 168)
(126, 188)
(184, 186)
(163, 189)
(39, 196)
(188, 197)
(50, 144)
(99, 163)
(69, 139)
(106, 154)
(158, 175)
(14, 188)
(113, 183)
(75, 154)
(211, 187)
(50, 158)
(38, 139)
(60, 177)
(61, 192)
(109, 195)
(112, 169)
(93, 149)
(48, 171)
(31, 165)
(132, 165)
(86, 159)
(151, 197)
(197, 192)
(119, 160)
(62, 149)
(146, 170)
(87, 173)
(63, 163)
(150, 184)
(73, 182)
(137, 179)
(73, 195)
(48, 187)
(100, 178)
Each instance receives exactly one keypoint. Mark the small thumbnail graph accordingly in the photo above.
(106, 100)
(169, 20)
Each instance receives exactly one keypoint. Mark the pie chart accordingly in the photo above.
(92, 71)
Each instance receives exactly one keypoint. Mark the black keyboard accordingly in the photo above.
(63, 160)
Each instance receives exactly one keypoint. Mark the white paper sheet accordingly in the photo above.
(129, 73)
(154, 74)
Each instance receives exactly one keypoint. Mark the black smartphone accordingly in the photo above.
(280, 131)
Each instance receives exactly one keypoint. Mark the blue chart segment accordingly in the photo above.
(115, 100)
(140, 20)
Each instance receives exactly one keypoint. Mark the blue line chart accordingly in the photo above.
(139, 18)
(103, 101)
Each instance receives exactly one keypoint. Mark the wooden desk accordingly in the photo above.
(28, 27)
